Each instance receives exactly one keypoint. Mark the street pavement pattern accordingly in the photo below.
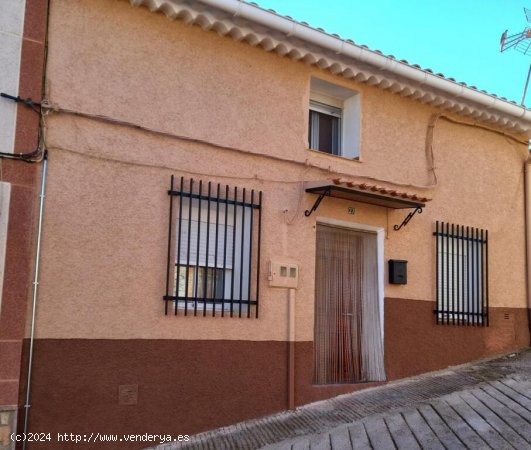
(494, 415)
(476, 406)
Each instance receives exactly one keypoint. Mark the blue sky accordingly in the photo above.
(459, 38)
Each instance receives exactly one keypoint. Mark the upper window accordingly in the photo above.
(334, 119)
(214, 235)
(325, 128)
(462, 275)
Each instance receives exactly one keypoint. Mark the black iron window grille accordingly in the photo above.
(213, 249)
(462, 272)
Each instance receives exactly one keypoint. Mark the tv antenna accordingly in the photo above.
(521, 42)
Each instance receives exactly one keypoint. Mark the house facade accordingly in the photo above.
(244, 214)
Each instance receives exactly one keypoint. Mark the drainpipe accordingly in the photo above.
(291, 350)
(527, 199)
(35, 290)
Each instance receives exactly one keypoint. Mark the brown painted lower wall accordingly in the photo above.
(414, 343)
(185, 387)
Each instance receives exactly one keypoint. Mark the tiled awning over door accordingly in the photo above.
(366, 193)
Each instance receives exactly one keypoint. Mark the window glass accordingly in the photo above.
(326, 130)
(204, 269)
(209, 287)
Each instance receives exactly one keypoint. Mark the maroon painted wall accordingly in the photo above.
(185, 387)
(414, 343)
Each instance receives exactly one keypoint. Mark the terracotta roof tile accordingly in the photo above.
(380, 189)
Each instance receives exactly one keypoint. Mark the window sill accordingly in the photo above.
(337, 157)
(347, 384)
(209, 308)
(461, 321)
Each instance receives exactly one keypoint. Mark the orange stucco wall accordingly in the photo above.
(105, 227)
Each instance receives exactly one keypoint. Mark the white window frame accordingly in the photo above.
(344, 104)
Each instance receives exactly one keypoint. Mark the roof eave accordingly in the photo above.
(288, 37)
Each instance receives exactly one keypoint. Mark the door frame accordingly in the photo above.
(380, 239)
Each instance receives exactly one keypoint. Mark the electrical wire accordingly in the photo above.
(50, 108)
(26, 157)
(176, 168)
(46, 107)
(430, 157)
(38, 154)
(483, 127)
(35, 106)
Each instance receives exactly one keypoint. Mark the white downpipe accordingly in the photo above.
(341, 47)
(35, 291)
(291, 350)
(527, 199)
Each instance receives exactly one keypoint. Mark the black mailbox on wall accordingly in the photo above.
(397, 271)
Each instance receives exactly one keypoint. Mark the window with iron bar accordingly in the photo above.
(462, 275)
(213, 249)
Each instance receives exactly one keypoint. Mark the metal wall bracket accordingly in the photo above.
(308, 212)
(408, 218)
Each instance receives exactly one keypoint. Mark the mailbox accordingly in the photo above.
(397, 271)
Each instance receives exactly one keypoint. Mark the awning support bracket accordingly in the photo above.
(408, 218)
(308, 212)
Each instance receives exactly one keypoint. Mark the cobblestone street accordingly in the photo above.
(481, 405)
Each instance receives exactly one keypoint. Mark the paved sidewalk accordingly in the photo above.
(481, 405)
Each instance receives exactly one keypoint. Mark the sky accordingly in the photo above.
(459, 38)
